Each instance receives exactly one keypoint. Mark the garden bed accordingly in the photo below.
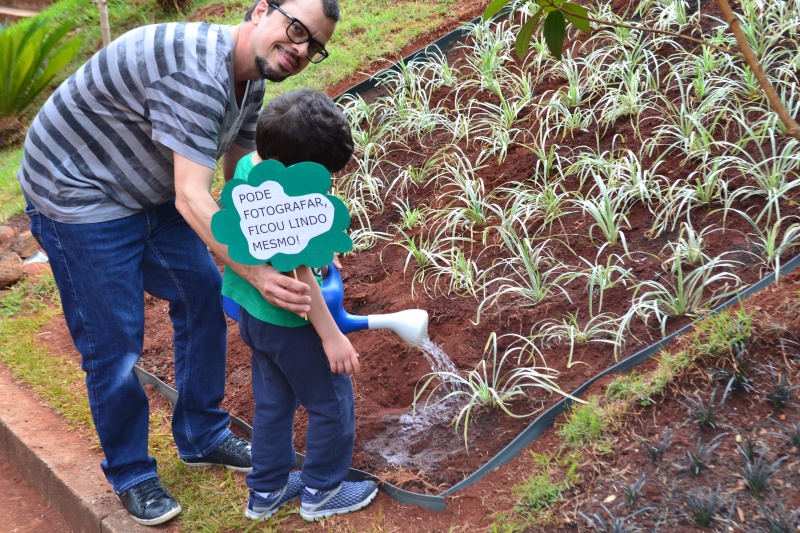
(566, 132)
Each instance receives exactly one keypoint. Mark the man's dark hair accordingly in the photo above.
(304, 125)
(329, 7)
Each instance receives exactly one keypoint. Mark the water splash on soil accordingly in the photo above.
(404, 442)
(439, 361)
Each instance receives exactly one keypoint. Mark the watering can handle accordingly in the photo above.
(333, 293)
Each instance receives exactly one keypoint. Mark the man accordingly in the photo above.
(117, 171)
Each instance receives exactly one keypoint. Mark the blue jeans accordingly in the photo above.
(102, 271)
(290, 368)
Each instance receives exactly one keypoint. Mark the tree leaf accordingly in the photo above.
(493, 8)
(522, 44)
(555, 29)
(580, 21)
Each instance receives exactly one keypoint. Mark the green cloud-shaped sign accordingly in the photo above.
(284, 216)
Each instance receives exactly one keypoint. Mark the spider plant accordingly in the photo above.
(494, 388)
(577, 88)
(601, 276)
(526, 205)
(464, 276)
(600, 328)
(671, 15)
(628, 99)
(490, 50)
(771, 243)
(363, 187)
(684, 294)
(410, 216)
(562, 119)
(418, 174)
(774, 171)
(365, 238)
(685, 128)
(688, 249)
(636, 180)
(549, 162)
(608, 209)
(442, 73)
(497, 142)
(470, 206)
(422, 250)
(531, 273)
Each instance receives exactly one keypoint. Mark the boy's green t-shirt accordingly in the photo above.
(240, 291)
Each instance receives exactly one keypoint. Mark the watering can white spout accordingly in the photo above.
(410, 325)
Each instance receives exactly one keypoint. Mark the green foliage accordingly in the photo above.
(585, 424)
(11, 201)
(29, 296)
(30, 56)
(25, 308)
(556, 14)
(539, 492)
(720, 334)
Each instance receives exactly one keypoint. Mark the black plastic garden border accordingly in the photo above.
(543, 422)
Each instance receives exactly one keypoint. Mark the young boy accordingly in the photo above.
(296, 361)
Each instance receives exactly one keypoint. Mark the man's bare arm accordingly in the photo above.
(193, 200)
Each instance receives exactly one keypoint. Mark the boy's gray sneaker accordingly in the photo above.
(233, 454)
(149, 503)
(259, 508)
(347, 497)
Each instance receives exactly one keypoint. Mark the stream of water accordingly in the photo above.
(439, 361)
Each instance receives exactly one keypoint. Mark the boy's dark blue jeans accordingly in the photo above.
(290, 368)
(102, 271)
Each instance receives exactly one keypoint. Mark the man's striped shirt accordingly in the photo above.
(101, 148)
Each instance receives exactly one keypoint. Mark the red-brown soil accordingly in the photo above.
(376, 281)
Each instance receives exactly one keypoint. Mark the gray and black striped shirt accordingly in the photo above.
(101, 148)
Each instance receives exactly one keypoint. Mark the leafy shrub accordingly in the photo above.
(30, 56)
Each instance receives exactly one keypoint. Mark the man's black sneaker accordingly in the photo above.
(149, 503)
(233, 454)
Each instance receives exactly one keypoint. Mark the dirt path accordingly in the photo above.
(21, 507)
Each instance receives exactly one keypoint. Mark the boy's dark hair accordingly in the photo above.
(304, 125)
(329, 7)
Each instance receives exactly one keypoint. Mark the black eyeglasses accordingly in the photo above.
(299, 34)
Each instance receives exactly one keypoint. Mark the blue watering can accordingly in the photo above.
(411, 325)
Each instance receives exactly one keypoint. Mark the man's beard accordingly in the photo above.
(267, 72)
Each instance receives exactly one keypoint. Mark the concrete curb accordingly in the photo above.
(63, 470)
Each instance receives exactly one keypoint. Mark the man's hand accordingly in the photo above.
(193, 200)
(281, 290)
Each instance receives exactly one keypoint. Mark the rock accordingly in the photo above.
(10, 268)
(31, 270)
(7, 236)
(25, 245)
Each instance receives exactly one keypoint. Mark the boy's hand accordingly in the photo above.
(341, 355)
